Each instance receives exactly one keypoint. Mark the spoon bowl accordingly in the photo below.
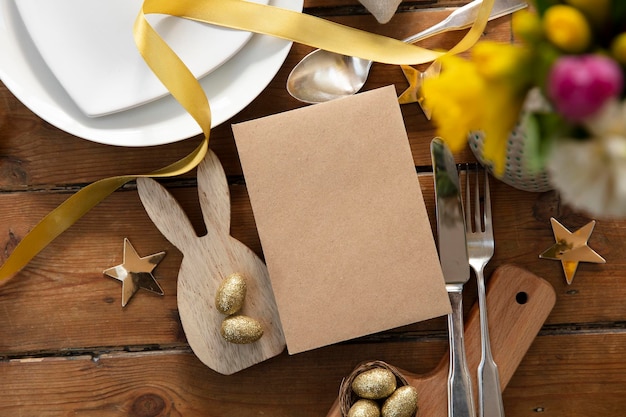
(323, 76)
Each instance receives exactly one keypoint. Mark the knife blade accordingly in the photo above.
(455, 266)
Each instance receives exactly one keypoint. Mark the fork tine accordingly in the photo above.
(487, 216)
(477, 218)
(468, 201)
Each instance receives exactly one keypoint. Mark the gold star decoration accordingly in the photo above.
(413, 94)
(571, 248)
(136, 272)
(413, 77)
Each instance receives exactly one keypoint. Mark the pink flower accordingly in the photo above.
(579, 85)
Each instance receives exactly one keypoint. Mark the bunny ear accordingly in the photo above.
(166, 213)
(213, 194)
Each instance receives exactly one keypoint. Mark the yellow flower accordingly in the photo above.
(618, 48)
(463, 100)
(506, 70)
(455, 98)
(500, 116)
(527, 25)
(498, 61)
(567, 28)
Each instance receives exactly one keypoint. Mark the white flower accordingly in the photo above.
(591, 174)
(611, 119)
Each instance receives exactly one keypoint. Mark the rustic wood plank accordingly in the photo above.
(114, 384)
(577, 375)
(573, 375)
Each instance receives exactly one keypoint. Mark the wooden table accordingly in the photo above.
(67, 348)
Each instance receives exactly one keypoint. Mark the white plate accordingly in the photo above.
(89, 46)
(229, 88)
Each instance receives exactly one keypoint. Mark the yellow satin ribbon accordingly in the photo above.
(310, 30)
(183, 86)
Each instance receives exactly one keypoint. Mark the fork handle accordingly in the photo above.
(461, 18)
(489, 392)
(460, 398)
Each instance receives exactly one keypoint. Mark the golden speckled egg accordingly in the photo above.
(364, 408)
(241, 329)
(374, 384)
(230, 294)
(402, 403)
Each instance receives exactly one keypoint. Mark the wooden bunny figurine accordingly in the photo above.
(207, 260)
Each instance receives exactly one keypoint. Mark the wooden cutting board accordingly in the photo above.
(518, 303)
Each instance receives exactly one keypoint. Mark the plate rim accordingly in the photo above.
(227, 98)
(80, 87)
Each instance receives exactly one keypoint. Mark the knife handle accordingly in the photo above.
(460, 397)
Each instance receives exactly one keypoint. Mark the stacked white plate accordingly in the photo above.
(75, 64)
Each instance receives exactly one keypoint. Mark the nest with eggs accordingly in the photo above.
(347, 396)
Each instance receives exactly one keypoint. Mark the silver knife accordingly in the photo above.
(455, 266)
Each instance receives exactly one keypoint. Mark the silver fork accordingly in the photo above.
(480, 248)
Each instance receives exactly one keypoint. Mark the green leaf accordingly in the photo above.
(546, 55)
(535, 158)
(541, 131)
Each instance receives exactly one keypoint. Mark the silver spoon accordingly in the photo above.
(324, 76)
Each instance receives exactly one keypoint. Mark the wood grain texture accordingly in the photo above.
(576, 375)
(207, 261)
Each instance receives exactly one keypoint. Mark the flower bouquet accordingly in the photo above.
(572, 55)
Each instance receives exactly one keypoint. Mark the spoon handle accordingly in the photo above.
(463, 17)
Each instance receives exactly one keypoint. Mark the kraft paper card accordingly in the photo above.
(341, 219)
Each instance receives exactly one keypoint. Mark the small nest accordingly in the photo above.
(347, 397)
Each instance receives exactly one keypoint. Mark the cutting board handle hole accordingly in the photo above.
(521, 297)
